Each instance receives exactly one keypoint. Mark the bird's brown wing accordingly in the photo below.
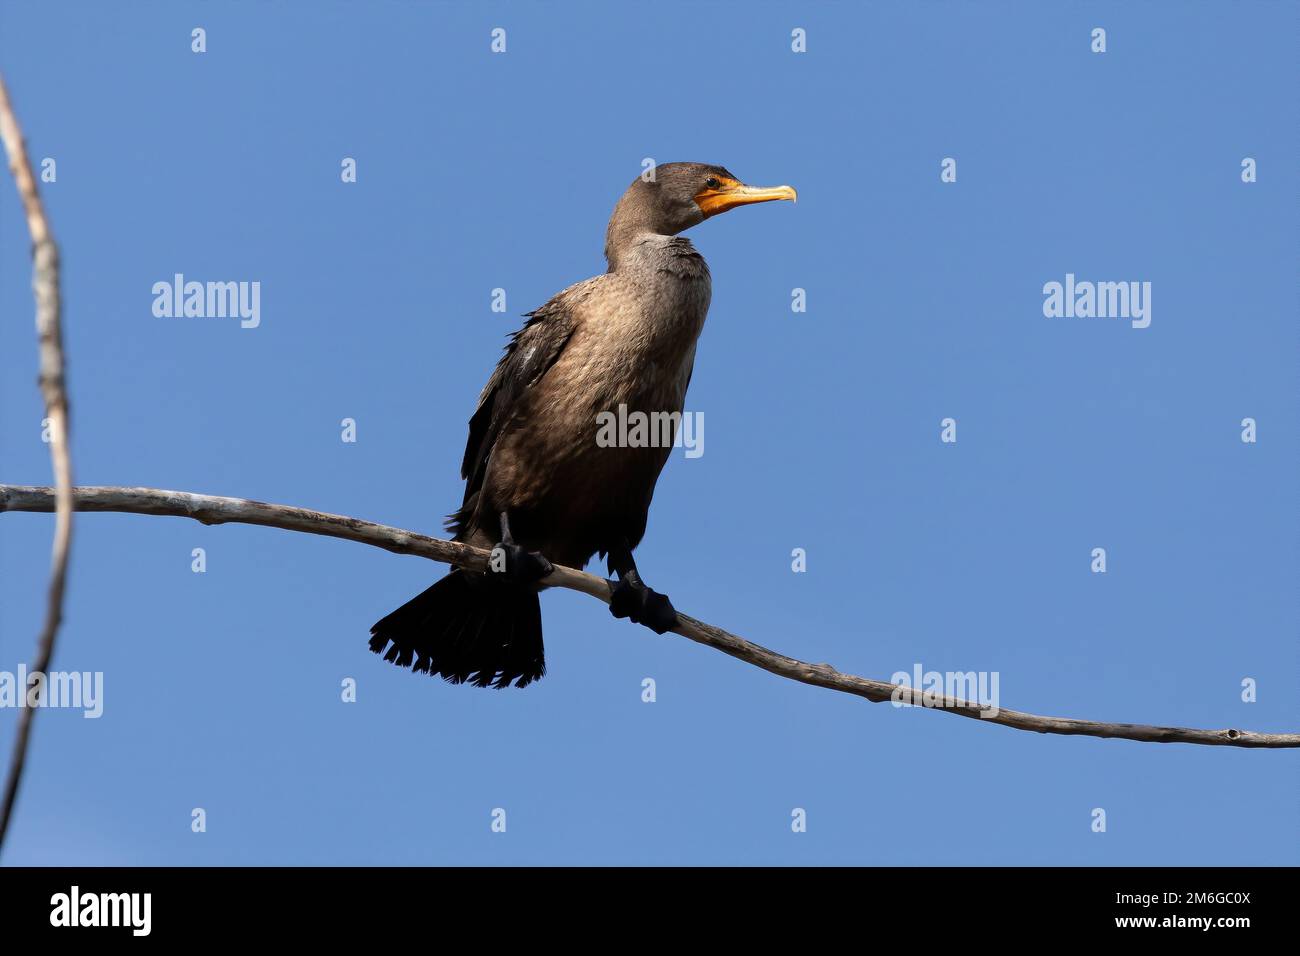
(529, 354)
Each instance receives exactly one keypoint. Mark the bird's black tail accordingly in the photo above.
(467, 628)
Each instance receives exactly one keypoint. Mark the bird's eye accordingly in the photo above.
(712, 183)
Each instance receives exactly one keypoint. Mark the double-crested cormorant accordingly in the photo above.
(539, 485)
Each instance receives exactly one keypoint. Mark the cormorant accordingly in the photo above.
(539, 487)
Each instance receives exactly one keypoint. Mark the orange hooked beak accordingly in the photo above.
(731, 193)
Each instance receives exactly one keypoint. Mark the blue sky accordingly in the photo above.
(478, 171)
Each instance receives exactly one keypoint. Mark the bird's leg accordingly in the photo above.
(630, 597)
(512, 562)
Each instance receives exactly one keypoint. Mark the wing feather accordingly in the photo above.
(529, 354)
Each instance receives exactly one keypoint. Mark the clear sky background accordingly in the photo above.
(477, 171)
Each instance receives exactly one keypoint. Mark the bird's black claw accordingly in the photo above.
(520, 566)
(660, 615)
(643, 606)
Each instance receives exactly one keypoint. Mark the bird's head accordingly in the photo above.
(672, 197)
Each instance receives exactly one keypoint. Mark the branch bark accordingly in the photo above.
(49, 333)
(213, 510)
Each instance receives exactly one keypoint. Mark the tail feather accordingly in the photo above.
(523, 655)
(467, 628)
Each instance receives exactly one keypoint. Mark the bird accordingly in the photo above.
(539, 487)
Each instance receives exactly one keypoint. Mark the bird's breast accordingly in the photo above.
(631, 351)
(642, 351)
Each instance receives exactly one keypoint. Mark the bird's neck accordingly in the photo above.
(631, 249)
(667, 285)
(621, 240)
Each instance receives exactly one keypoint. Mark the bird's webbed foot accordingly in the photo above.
(511, 562)
(630, 598)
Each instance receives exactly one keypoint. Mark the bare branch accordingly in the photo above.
(213, 510)
(49, 333)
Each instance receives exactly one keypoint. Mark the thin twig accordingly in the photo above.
(212, 510)
(49, 333)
